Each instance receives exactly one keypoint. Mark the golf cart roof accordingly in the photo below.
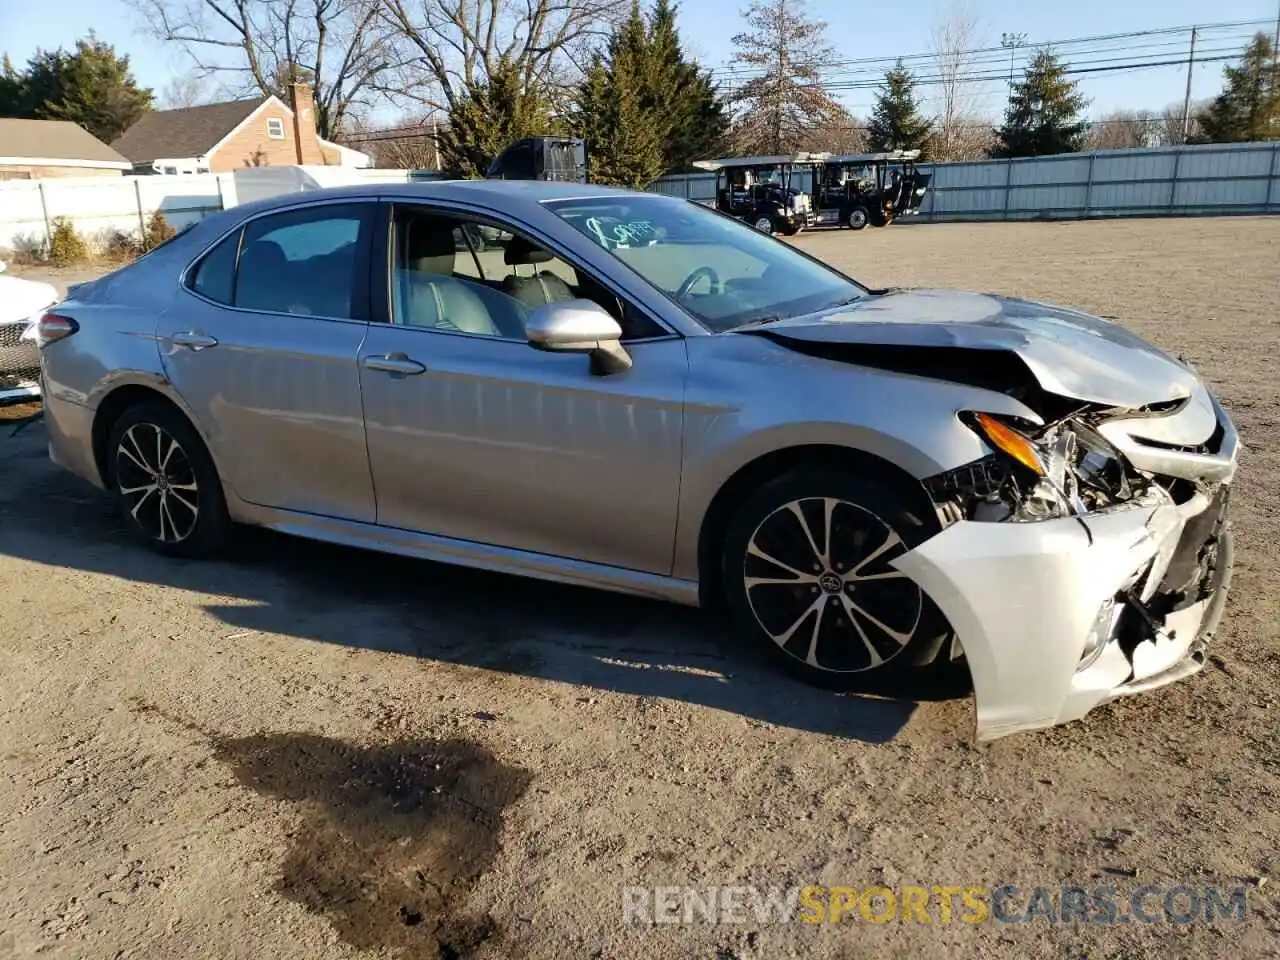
(791, 159)
(888, 157)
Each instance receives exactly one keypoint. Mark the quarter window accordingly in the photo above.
(216, 276)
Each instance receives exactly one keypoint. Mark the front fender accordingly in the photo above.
(749, 397)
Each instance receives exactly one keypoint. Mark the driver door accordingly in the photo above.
(476, 436)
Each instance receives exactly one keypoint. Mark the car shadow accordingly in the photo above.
(360, 599)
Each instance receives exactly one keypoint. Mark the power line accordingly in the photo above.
(1002, 52)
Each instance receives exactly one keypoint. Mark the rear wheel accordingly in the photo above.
(166, 483)
(857, 218)
(807, 572)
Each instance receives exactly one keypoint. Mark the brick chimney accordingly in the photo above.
(302, 100)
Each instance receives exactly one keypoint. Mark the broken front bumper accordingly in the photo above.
(1025, 600)
(19, 363)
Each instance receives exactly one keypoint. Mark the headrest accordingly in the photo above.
(267, 255)
(429, 246)
(521, 252)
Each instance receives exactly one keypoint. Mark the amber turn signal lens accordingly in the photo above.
(1011, 442)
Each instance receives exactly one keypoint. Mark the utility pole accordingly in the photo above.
(1013, 41)
(1186, 102)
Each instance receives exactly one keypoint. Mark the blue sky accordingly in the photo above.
(857, 29)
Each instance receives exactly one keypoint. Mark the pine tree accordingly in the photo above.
(1249, 106)
(489, 117)
(90, 86)
(615, 109)
(780, 108)
(1043, 116)
(896, 122)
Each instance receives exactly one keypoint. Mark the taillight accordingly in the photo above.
(54, 326)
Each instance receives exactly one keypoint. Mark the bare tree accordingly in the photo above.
(844, 134)
(1171, 130)
(455, 47)
(784, 101)
(972, 137)
(340, 47)
(1123, 129)
(184, 90)
(955, 35)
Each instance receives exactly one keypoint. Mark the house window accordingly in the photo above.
(275, 128)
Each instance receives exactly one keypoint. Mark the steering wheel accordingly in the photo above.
(713, 280)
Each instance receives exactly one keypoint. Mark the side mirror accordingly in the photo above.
(579, 326)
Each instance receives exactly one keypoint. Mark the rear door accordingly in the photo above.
(262, 347)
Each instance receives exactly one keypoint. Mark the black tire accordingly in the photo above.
(881, 633)
(857, 218)
(190, 495)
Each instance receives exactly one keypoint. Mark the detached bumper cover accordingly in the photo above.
(1024, 598)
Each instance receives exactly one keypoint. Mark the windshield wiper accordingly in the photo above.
(755, 322)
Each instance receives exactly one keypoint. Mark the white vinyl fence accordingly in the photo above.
(1172, 181)
(101, 206)
(98, 207)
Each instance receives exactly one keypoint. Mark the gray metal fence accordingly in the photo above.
(1169, 181)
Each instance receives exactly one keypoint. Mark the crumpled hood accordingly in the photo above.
(1071, 354)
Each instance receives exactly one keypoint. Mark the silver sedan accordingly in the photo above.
(636, 393)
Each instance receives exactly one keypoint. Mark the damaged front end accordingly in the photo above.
(1081, 560)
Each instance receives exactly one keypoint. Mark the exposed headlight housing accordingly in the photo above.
(1034, 472)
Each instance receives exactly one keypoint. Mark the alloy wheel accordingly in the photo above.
(764, 225)
(857, 219)
(155, 478)
(819, 582)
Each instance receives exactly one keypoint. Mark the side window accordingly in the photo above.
(471, 277)
(216, 275)
(307, 262)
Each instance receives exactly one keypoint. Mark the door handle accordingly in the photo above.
(394, 363)
(196, 341)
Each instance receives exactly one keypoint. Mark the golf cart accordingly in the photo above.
(764, 191)
(875, 188)
(542, 158)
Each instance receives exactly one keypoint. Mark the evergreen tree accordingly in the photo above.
(780, 108)
(489, 117)
(90, 86)
(682, 95)
(1043, 116)
(615, 109)
(1249, 106)
(896, 122)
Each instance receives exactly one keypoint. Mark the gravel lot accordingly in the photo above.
(310, 752)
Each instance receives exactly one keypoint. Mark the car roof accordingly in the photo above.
(502, 193)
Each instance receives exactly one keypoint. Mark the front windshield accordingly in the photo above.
(721, 271)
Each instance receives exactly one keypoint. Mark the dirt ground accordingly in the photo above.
(311, 752)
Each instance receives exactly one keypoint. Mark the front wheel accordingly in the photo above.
(807, 571)
(165, 482)
(857, 218)
(763, 224)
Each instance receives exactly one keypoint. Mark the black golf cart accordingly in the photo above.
(766, 192)
(854, 190)
(542, 158)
